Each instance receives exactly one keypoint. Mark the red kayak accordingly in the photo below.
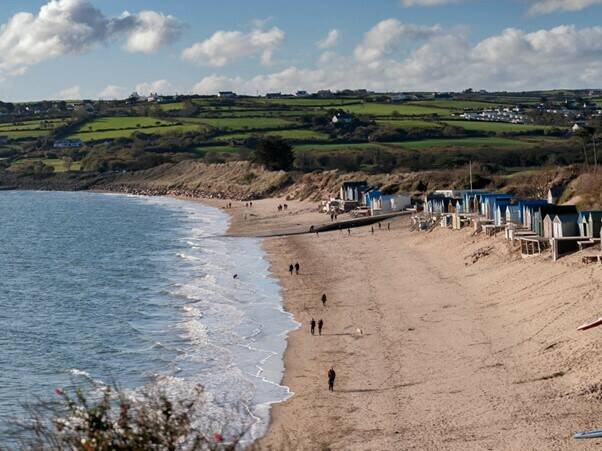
(586, 326)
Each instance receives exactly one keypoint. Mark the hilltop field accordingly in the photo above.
(373, 135)
(84, 144)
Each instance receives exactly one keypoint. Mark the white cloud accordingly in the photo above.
(72, 93)
(549, 6)
(331, 39)
(64, 27)
(112, 92)
(389, 36)
(158, 86)
(443, 60)
(224, 47)
(151, 31)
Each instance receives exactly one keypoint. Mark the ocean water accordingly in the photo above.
(138, 291)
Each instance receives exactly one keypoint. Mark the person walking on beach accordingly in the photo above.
(331, 376)
(291, 268)
(348, 231)
(324, 299)
(312, 326)
(297, 266)
(388, 226)
(320, 325)
(379, 226)
(372, 230)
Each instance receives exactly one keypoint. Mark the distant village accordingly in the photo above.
(535, 226)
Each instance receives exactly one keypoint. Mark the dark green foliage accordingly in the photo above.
(275, 154)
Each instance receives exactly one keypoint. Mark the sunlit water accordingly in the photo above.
(134, 290)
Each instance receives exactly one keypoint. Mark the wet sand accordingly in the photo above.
(453, 353)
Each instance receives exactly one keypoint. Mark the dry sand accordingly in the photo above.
(455, 353)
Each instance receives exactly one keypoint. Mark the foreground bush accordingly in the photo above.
(118, 421)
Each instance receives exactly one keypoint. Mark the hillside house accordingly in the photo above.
(226, 94)
(342, 119)
(301, 93)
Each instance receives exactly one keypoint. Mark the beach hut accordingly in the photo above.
(489, 204)
(352, 191)
(388, 203)
(527, 208)
(590, 223)
(548, 227)
(565, 225)
(541, 212)
(369, 196)
(554, 194)
(513, 214)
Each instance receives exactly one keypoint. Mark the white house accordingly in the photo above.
(342, 119)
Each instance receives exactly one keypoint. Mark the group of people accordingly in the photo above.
(248, 204)
(312, 326)
(294, 268)
(333, 216)
(380, 227)
(283, 207)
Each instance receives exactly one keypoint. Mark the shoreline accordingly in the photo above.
(436, 345)
(451, 355)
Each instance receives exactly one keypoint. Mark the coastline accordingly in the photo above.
(454, 353)
(458, 349)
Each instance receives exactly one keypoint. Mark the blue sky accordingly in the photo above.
(91, 49)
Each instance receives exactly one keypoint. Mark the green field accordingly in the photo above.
(305, 102)
(343, 147)
(387, 109)
(56, 163)
(120, 123)
(408, 123)
(241, 123)
(286, 134)
(497, 127)
(461, 142)
(456, 104)
(31, 125)
(124, 127)
(171, 106)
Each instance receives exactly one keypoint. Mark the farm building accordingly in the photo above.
(342, 119)
(226, 94)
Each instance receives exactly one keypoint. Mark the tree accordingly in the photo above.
(275, 154)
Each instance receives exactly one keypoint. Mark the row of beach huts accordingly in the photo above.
(538, 225)
(361, 199)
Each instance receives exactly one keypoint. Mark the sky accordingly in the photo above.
(72, 49)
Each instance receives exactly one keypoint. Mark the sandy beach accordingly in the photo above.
(456, 351)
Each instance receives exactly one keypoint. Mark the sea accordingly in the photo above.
(140, 292)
